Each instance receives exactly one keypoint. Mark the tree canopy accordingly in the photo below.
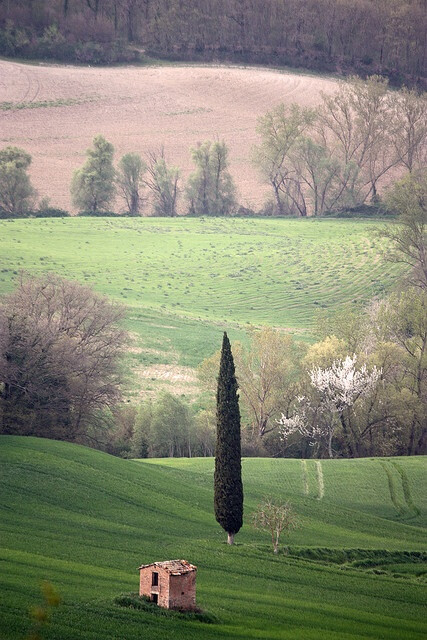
(92, 187)
(16, 192)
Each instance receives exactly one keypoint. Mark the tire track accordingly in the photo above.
(406, 489)
(319, 478)
(304, 477)
(408, 509)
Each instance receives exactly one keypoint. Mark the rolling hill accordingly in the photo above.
(84, 521)
(183, 281)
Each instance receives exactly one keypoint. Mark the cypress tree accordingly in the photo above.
(228, 491)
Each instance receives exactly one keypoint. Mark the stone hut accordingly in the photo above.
(170, 584)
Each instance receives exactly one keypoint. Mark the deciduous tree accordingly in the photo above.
(402, 321)
(408, 198)
(276, 518)
(356, 122)
(267, 377)
(281, 129)
(59, 361)
(211, 190)
(93, 188)
(268, 368)
(16, 193)
(171, 427)
(130, 181)
(163, 183)
(339, 387)
(410, 128)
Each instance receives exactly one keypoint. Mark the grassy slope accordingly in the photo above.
(184, 280)
(85, 521)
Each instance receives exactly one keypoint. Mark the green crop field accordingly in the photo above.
(85, 521)
(183, 281)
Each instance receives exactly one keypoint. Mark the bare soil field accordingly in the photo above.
(53, 112)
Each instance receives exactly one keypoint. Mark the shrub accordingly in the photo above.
(50, 212)
(143, 603)
(99, 214)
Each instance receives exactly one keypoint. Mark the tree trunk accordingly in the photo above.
(276, 542)
(330, 452)
(347, 436)
(230, 538)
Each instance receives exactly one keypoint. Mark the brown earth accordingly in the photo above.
(138, 109)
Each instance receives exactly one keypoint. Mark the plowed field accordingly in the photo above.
(53, 112)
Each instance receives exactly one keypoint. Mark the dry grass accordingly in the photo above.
(167, 377)
(138, 109)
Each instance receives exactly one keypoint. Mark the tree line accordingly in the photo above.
(331, 159)
(362, 36)
(145, 187)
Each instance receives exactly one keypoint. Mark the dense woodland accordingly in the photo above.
(363, 36)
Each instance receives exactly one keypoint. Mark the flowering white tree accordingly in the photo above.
(339, 387)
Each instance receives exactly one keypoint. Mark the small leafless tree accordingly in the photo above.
(59, 361)
(163, 183)
(275, 517)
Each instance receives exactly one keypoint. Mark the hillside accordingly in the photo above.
(85, 521)
(184, 280)
(54, 112)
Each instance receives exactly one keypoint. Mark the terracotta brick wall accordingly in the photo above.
(182, 592)
(174, 592)
(162, 589)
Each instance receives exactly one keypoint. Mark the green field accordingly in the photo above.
(85, 521)
(185, 280)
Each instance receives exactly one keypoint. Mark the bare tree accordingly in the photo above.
(60, 354)
(163, 184)
(280, 130)
(356, 122)
(276, 518)
(410, 128)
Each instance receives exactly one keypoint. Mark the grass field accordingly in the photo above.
(84, 521)
(183, 281)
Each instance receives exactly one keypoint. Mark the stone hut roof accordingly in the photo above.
(174, 567)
